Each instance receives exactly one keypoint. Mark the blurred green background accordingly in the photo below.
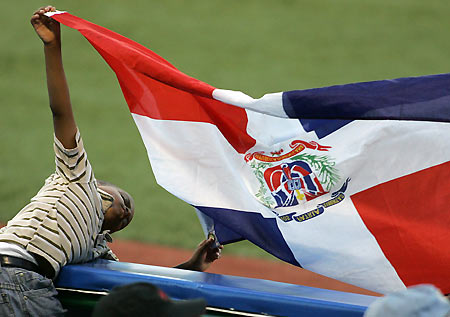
(256, 46)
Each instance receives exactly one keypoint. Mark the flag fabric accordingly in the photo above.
(350, 181)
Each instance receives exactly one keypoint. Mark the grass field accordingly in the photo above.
(255, 46)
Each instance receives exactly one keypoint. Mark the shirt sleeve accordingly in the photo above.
(72, 164)
(101, 249)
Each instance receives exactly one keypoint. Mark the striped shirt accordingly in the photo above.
(62, 223)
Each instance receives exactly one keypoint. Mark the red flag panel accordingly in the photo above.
(412, 230)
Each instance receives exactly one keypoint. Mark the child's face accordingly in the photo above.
(121, 212)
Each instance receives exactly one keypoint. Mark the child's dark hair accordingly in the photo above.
(127, 198)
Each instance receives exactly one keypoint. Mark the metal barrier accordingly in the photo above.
(225, 295)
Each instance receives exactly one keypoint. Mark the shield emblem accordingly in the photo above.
(292, 183)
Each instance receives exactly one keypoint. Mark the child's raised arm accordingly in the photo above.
(48, 31)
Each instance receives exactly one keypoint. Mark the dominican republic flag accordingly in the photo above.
(351, 181)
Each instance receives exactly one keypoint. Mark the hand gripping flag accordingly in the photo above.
(319, 178)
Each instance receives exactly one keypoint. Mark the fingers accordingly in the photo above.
(43, 10)
(202, 249)
(214, 254)
(46, 28)
(204, 244)
(217, 254)
(210, 254)
(40, 14)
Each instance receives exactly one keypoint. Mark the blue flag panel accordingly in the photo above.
(425, 98)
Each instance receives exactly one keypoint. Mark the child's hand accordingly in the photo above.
(204, 255)
(46, 28)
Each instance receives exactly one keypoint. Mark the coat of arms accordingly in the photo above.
(295, 177)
